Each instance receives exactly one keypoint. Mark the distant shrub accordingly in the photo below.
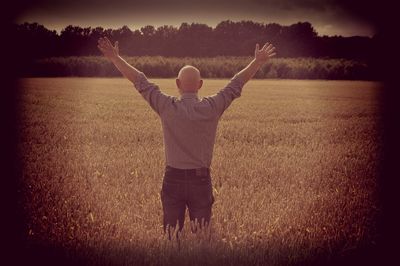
(210, 67)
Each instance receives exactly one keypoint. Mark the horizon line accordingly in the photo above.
(156, 26)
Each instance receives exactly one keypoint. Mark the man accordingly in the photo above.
(189, 126)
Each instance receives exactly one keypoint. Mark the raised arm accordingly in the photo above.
(221, 101)
(261, 56)
(112, 53)
(150, 91)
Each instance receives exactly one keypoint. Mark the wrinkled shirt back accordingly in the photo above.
(189, 123)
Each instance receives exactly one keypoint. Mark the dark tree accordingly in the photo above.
(227, 38)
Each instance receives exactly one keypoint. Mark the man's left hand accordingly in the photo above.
(107, 48)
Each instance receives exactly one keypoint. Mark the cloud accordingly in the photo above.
(182, 5)
(318, 5)
(173, 12)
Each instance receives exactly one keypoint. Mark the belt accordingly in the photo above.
(204, 171)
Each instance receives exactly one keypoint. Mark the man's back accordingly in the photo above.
(189, 127)
(189, 122)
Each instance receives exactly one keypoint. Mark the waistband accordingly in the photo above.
(169, 170)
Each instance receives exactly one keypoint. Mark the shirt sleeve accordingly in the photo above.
(221, 100)
(152, 93)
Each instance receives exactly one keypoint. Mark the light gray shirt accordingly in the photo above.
(189, 123)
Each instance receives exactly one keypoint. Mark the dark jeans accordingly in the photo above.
(183, 189)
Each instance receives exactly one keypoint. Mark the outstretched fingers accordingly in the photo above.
(270, 50)
(104, 42)
(266, 45)
(101, 41)
(102, 47)
(108, 41)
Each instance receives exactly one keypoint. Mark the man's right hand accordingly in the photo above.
(109, 51)
(262, 55)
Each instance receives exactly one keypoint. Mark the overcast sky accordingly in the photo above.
(329, 17)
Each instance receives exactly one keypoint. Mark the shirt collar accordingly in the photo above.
(189, 95)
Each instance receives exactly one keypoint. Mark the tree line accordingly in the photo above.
(210, 67)
(228, 38)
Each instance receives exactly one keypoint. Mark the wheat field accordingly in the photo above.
(294, 172)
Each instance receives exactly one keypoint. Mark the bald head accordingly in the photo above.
(189, 79)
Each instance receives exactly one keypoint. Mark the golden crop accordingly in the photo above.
(294, 172)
